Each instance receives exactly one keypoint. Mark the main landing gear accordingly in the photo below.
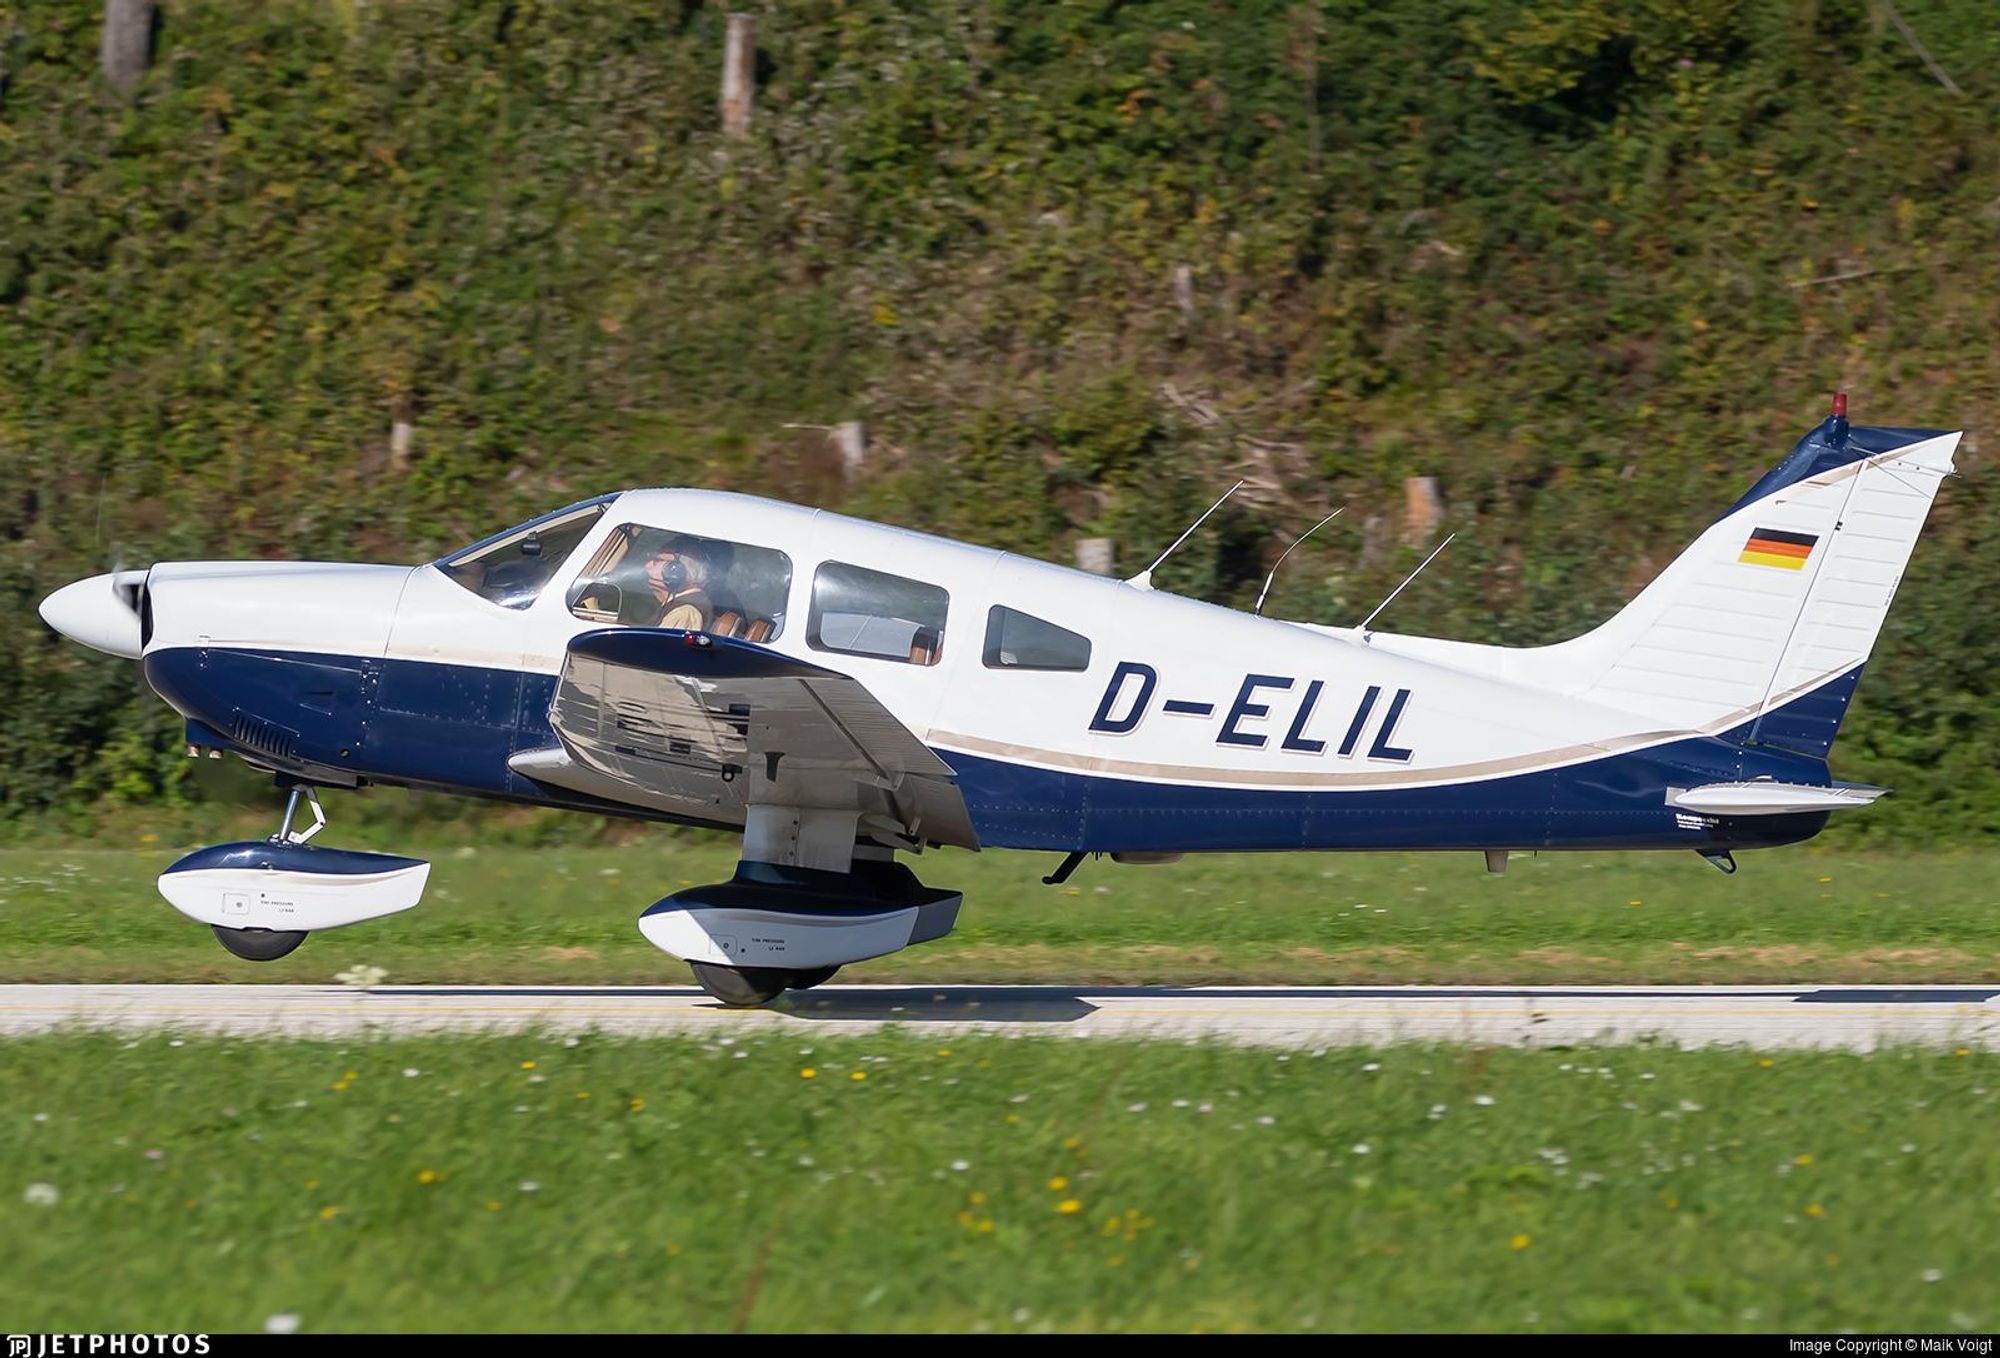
(748, 987)
(778, 927)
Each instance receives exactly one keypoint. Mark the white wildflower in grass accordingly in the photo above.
(961, 1165)
(807, 1161)
(361, 977)
(177, 1042)
(571, 1041)
(1180, 1103)
(41, 1195)
(1372, 1066)
(1483, 1100)
(1266, 1121)
(411, 1072)
(529, 1186)
(1690, 1106)
(1018, 1098)
(41, 1117)
(1361, 1148)
(1909, 1148)
(1437, 1111)
(1135, 1108)
(285, 1322)
(1932, 1275)
(1206, 1108)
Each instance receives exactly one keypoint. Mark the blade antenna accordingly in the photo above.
(1144, 579)
(1363, 629)
(1259, 609)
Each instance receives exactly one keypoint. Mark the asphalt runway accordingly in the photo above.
(1853, 1017)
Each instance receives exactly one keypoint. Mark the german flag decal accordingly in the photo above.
(1773, 547)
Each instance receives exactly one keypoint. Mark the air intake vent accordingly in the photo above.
(264, 737)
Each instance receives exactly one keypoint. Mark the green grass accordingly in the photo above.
(445, 1183)
(567, 914)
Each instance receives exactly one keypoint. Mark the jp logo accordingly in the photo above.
(1128, 698)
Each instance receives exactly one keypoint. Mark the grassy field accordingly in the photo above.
(567, 914)
(527, 1182)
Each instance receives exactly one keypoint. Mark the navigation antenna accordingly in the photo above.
(1144, 579)
(1363, 629)
(1259, 609)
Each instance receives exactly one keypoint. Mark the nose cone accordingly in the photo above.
(99, 612)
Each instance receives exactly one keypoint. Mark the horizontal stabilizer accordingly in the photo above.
(1770, 799)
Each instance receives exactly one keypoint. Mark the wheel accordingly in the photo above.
(806, 980)
(259, 945)
(741, 987)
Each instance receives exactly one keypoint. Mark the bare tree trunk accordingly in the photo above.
(739, 75)
(1421, 510)
(126, 49)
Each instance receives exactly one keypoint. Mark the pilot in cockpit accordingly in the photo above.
(676, 577)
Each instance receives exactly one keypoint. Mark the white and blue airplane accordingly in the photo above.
(839, 692)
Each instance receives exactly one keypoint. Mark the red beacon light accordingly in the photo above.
(1840, 405)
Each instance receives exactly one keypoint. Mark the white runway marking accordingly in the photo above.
(1854, 1017)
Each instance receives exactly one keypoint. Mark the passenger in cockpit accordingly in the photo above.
(676, 576)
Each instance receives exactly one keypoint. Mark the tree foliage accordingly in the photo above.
(1593, 266)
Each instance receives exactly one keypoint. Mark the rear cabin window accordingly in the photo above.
(856, 611)
(654, 577)
(1022, 641)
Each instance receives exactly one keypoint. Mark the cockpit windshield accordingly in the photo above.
(510, 568)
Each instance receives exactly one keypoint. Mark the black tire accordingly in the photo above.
(806, 980)
(259, 945)
(741, 987)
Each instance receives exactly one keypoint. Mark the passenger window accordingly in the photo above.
(510, 568)
(651, 577)
(856, 611)
(1021, 641)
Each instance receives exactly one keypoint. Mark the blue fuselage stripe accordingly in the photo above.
(454, 727)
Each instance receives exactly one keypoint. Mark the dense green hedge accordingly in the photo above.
(1562, 258)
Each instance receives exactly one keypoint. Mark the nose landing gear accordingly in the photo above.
(260, 945)
(261, 897)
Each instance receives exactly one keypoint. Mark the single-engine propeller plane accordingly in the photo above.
(839, 692)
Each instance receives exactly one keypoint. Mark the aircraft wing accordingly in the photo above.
(708, 726)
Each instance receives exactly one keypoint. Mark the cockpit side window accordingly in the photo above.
(654, 577)
(1022, 641)
(511, 568)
